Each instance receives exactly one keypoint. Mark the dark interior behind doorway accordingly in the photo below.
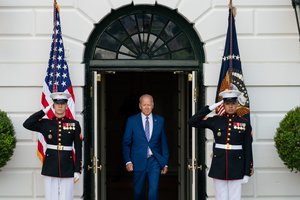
(123, 90)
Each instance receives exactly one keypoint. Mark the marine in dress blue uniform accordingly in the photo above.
(232, 159)
(60, 168)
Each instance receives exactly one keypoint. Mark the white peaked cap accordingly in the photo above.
(228, 94)
(60, 96)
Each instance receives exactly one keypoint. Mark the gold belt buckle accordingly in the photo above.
(59, 147)
(228, 146)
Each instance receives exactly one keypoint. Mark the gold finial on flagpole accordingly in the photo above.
(233, 9)
(230, 4)
(56, 5)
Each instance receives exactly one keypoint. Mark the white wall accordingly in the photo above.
(270, 53)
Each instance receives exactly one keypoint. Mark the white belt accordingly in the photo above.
(228, 146)
(59, 147)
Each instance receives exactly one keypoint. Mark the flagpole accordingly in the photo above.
(55, 7)
(230, 45)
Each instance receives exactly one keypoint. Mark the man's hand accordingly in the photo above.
(245, 179)
(129, 167)
(215, 105)
(251, 171)
(76, 177)
(164, 170)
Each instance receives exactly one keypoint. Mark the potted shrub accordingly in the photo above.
(287, 139)
(7, 139)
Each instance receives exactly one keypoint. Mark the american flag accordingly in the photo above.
(57, 78)
(231, 75)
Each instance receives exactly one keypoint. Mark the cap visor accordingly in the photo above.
(60, 101)
(230, 100)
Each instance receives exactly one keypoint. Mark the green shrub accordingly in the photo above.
(287, 140)
(7, 139)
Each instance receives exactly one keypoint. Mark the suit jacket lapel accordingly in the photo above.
(140, 122)
(155, 124)
(140, 125)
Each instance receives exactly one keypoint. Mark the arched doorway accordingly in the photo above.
(132, 51)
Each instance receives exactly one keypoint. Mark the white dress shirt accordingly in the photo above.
(150, 119)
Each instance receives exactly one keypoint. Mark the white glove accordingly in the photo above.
(245, 179)
(215, 105)
(76, 177)
(45, 110)
(242, 100)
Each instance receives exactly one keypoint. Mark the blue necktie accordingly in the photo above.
(147, 133)
(147, 128)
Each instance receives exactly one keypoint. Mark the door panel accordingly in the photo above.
(102, 136)
(194, 164)
(184, 150)
(94, 168)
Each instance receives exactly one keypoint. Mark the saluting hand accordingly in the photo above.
(215, 105)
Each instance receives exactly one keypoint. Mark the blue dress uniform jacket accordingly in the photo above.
(227, 163)
(58, 132)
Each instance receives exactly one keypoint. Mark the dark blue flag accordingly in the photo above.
(231, 75)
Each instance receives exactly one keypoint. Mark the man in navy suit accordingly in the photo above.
(145, 149)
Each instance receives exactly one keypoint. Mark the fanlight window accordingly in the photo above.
(143, 36)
